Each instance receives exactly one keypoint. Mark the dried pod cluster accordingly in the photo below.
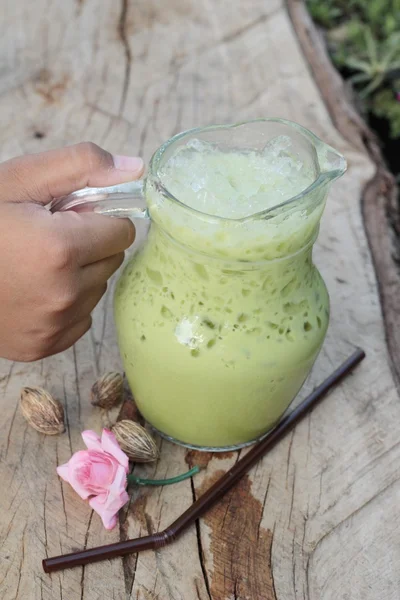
(108, 390)
(46, 414)
(43, 412)
(135, 441)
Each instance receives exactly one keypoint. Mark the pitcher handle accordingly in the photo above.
(113, 201)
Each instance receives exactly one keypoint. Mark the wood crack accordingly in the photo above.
(196, 585)
(236, 590)
(10, 430)
(242, 30)
(234, 35)
(66, 416)
(263, 506)
(8, 377)
(44, 520)
(294, 564)
(292, 498)
(128, 569)
(122, 33)
(84, 547)
(270, 562)
(103, 328)
(15, 516)
(78, 391)
(355, 512)
(21, 562)
(133, 576)
(200, 546)
(289, 455)
(94, 351)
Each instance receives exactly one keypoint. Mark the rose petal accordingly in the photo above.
(62, 471)
(110, 445)
(108, 515)
(112, 507)
(91, 440)
(115, 503)
(98, 502)
(109, 522)
(108, 505)
(117, 495)
(103, 470)
(100, 472)
(76, 464)
(120, 481)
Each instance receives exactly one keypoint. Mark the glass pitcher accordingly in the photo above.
(219, 320)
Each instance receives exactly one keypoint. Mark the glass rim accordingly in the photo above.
(323, 176)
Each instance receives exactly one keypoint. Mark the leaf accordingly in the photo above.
(388, 63)
(359, 77)
(390, 24)
(371, 45)
(375, 83)
(358, 65)
(385, 105)
(374, 12)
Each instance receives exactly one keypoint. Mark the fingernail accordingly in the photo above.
(133, 164)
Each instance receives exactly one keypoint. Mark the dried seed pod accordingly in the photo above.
(43, 412)
(135, 441)
(108, 391)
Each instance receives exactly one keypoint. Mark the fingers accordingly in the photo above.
(88, 238)
(93, 286)
(79, 317)
(42, 177)
(98, 273)
(73, 334)
(85, 307)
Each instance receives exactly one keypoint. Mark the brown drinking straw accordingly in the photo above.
(216, 491)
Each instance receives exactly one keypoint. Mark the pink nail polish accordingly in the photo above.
(133, 164)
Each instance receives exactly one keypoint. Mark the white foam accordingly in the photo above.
(234, 183)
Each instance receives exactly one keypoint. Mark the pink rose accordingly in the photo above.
(99, 473)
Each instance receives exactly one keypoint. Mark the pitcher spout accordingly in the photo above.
(332, 164)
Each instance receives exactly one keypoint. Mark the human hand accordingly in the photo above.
(54, 267)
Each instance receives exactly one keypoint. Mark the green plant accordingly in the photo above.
(382, 16)
(364, 42)
(385, 105)
(325, 13)
(376, 61)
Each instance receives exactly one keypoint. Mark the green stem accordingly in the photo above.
(177, 479)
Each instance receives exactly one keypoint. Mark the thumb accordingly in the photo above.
(41, 177)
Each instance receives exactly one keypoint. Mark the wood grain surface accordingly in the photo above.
(317, 519)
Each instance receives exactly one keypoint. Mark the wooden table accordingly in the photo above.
(318, 518)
